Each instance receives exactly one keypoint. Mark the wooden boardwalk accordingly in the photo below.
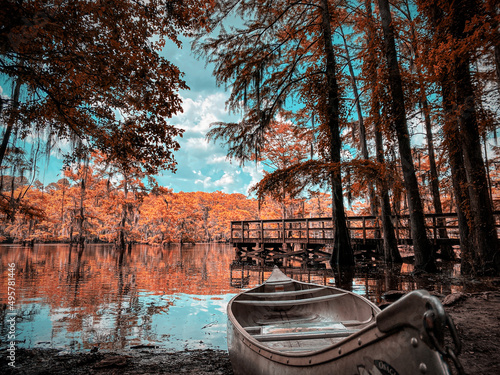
(267, 240)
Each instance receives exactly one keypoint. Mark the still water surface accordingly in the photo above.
(173, 298)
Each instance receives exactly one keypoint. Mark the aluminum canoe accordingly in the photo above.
(289, 327)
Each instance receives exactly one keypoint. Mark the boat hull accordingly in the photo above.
(289, 327)
(396, 354)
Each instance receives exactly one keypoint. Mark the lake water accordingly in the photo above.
(173, 298)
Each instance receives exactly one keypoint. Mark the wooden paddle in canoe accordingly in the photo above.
(289, 327)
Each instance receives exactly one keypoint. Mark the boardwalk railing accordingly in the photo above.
(363, 229)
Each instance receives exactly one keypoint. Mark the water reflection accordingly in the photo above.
(174, 298)
(370, 279)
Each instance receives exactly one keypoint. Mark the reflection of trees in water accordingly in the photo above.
(96, 287)
(371, 279)
(25, 314)
(76, 275)
(104, 296)
(243, 275)
(344, 277)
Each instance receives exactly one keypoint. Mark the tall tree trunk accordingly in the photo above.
(459, 179)
(391, 251)
(491, 7)
(81, 216)
(61, 233)
(71, 227)
(424, 257)
(446, 249)
(497, 63)
(485, 235)
(361, 125)
(121, 238)
(390, 245)
(10, 121)
(342, 250)
(487, 165)
(454, 150)
(11, 214)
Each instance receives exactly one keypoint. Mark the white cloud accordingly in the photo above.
(217, 159)
(203, 165)
(206, 182)
(225, 180)
(199, 113)
(255, 172)
(196, 144)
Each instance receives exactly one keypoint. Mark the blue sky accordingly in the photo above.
(202, 166)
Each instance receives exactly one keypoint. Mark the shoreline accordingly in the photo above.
(123, 362)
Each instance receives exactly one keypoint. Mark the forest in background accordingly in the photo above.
(90, 206)
(390, 104)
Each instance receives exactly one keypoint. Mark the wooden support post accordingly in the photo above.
(364, 231)
(307, 230)
(396, 227)
(434, 224)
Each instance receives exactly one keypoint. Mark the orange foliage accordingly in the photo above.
(89, 205)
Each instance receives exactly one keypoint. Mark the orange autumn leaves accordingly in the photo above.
(88, 206)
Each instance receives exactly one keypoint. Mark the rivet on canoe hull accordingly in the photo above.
(359, 341)
(414, 342)
(340, 350)
(423, 368)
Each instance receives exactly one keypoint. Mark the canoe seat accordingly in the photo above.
(308, 348)
(313, 319)
(292, 293)
(305, 331)
(305, 335)
(292, 302)
(297, 320)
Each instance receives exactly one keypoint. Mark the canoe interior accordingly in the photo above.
(291, 316)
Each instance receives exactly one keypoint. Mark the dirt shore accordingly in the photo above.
(51, 361)
(477, 318)
(476, 315)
